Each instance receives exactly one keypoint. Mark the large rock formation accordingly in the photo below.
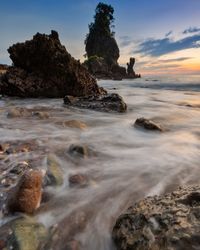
(101, 47)
(43, 67)
(170, 222)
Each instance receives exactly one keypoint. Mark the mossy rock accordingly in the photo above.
(54, 171)
(27, 234)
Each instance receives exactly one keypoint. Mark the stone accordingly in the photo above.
(169, 221)
(78, 180)
(27, 234)
(25, 197)
(54, 174)
(18, 112)
(74, 124)
(147, 124)
(41, 114)
(81, 151)
(104, 103)
(42, 67)
(73, 245)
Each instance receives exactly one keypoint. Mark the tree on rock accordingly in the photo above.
(100, 40)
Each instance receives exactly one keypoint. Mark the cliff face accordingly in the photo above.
(43, 67)
(103, 46)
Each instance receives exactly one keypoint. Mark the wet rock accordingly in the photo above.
(54, 175)
(80, 151)
(78, 180)
(26, 195)
(105, 103)
(166, 222)
(44, 68)
(147, 124)
(19, 168)
(73, 245)
(18, 112)
(27, 234)
(41, 115)
(74, 124)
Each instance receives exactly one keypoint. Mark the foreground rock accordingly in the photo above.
(147, 124)
(26, 195)
(24, 233)
(105, 103)
(161, 222)
(44, 68)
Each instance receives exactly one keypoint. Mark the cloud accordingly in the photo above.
(191, 30)
(125, 41)
(159, 47)
(169, 33)
(179, 59)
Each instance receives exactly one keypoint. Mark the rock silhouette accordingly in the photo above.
(42, 67)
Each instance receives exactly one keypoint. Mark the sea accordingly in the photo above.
(129, 163)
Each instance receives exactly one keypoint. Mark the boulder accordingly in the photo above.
(105, 103)
(44, 68)
(25, 197)
(147, 124)
(165, 222)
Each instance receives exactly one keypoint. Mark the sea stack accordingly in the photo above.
(101, 47)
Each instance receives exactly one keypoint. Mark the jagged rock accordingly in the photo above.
(105, 103)
(130, 72)
(147, 124)
(43, 67)
(164, 222)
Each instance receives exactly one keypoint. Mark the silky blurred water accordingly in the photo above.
(129, 163)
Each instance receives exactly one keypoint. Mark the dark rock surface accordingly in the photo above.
(164, 222)
(44, 68)
(105, 103)
(147, 124)
(98, 67)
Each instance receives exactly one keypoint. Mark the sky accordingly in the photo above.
(163, 35)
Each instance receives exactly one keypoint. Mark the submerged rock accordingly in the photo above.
(147, 124)
(105, 103)
(81, 151)
(74, 124)
(54, 175)
(26, 195)
(18, 112)
(27, 234)
(78, 180)
(44, 68)
(164, 222)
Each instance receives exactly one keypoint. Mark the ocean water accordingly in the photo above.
(129, 163)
